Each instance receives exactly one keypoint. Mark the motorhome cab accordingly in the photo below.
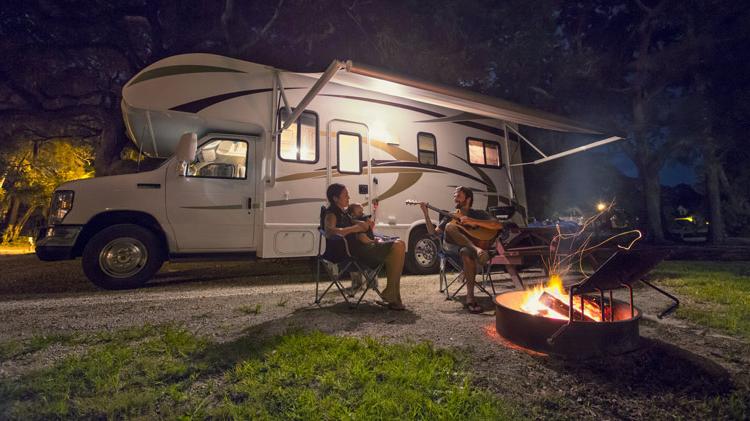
(251, 150)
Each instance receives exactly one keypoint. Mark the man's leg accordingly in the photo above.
(470, 272)
(469, 255)
(456, 236)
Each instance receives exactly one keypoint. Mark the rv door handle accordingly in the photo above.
(249, 204)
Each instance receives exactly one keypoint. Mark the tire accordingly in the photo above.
(122, 256)
(422, 258)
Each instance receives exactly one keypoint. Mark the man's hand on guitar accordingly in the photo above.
(423, 206)
(466, 221)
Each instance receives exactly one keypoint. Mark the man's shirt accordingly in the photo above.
(472, 213)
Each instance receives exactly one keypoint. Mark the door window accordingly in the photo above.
(220, 158)
(349, 153)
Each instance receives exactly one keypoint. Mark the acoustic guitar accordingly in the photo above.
(480, 236)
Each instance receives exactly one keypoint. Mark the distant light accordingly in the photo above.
(601, 206)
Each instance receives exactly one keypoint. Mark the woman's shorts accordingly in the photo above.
(373, 255)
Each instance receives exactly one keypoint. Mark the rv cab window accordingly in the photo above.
(426, 148)
(220, 158)
(299, 143)
(483, 153)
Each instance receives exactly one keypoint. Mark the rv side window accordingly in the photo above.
(483, 152)
(426, 148)
(299, 143)
(349, 153)
(220, 158)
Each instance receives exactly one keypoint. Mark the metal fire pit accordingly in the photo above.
(581, 339)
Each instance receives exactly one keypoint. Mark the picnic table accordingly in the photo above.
(520, 247)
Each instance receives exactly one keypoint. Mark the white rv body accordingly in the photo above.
(269, 205)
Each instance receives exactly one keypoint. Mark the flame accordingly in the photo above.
(554, 287)
(531, 302)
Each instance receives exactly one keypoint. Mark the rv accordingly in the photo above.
(251, 149)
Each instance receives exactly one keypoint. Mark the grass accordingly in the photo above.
(718, 293)
(166, 372)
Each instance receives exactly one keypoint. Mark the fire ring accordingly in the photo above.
(576, 339)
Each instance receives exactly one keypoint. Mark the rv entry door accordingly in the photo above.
(211, 207)
(349, 159)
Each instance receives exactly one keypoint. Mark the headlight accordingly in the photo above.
(62, 203)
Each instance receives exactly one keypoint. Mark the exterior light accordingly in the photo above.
(601, 207)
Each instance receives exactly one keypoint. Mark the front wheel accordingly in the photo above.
(122, 256)
(422, 257)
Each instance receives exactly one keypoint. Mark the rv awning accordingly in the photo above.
(373, 79)
(467, 102)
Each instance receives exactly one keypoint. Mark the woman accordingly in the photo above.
(337, 222)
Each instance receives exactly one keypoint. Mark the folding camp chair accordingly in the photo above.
(338, 263)
(450, 260)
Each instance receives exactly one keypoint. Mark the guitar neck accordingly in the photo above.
(440, 211)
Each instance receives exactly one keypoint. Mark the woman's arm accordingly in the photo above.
(332, 229)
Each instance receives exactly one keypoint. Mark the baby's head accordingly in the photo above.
(355, 210)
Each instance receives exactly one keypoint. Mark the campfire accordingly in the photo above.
(580, 322)
(552, 301)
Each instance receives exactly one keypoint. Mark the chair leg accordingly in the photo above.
(515, 277)
(370, 279)
(317, 281)
(462, 277)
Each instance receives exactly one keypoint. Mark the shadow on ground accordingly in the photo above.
(657, 368)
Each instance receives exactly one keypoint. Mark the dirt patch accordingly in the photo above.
(679, 371)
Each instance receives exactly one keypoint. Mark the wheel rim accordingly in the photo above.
(123, 257)
(425, 252)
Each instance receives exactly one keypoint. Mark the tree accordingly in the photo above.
(34, 170)
(647, 52)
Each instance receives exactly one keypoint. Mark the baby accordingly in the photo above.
(357, 212)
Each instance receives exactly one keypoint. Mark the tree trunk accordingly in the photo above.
(713, 190)
(652, 196)
(16, 231)
(11, 220)
(111, 141)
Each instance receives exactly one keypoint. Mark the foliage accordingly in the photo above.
(165, 372)
(718, 293)
(33, 171)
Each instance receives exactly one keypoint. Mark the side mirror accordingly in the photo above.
(186, 147)
(185, 151)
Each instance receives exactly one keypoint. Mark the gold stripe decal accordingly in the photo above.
(403, 182)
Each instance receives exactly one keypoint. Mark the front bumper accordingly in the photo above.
(58, 242)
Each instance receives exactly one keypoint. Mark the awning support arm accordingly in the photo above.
(572, 151)
(283, 93)
(525, 140)
(334, 67)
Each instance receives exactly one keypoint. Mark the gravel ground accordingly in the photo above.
(680, 367)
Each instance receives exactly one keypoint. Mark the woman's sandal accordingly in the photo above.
(390, 306)
(474, 308)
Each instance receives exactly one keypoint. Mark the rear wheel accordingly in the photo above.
(122, 256)
(422, 257)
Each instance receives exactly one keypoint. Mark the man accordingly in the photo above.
(458, 241)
